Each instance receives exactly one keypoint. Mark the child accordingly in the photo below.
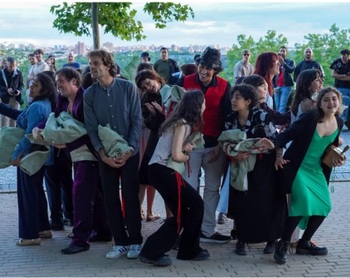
(184, 202)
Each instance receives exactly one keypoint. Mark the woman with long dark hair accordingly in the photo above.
(184, 202)
(32, 204)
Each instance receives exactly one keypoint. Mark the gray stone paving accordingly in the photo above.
(47, 261)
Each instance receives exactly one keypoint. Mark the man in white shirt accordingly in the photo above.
(243, 67)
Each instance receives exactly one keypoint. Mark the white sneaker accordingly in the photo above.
(134, 251)
(117, 251)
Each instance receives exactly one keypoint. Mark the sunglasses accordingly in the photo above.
(246, 54)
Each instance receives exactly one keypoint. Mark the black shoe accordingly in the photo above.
(270, 247)
(280, 255)
(240, 248)
(101, 238)
(202, 255)
(164, 260)
(75, 248)
(215, 238)
(310, 248)
(56, 226)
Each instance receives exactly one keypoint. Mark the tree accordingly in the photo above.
(115, 18)
(326, 48)
(270, 42)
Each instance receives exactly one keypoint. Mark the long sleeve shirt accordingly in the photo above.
(119, 106)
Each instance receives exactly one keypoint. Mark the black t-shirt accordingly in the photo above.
(339, 67)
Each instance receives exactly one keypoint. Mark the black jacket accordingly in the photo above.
(287, 68)
(15, 82)
(300, 133)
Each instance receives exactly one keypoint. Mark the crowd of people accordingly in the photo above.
(258, 142)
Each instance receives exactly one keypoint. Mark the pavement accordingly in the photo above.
(47, 261)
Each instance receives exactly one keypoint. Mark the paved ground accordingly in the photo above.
(47, 261)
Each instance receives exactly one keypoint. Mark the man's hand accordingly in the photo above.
(115, 162)
(16, 162)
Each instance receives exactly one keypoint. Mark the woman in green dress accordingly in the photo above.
(305, 173)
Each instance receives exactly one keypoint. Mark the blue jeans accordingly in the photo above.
(224, 192)
(346, 101)
(281, 97)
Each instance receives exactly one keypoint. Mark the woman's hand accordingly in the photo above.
(153, 107)
(266, 143)
(214, 153)
(188, 148)
(37, 134)
(339, 162)
(280, 161)
(16, 162)
(60, 146)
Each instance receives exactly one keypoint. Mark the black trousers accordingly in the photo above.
(166, 183)
(125, 177)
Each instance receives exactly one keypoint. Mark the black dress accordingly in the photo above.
(153, 123)
(259, 212)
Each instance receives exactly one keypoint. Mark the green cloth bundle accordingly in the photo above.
(113, 144)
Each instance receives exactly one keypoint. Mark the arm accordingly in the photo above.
(289, 66)
(177, 151)
(343, 77)
(135, 118)
(91, 122)
(237, 71)
(9, 112)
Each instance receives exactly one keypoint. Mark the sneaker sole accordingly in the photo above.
(116, 257)
(132, 256)
(307, 252)
(152, 262)
(207, 240)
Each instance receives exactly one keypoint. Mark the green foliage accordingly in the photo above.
(116, 18)
(270, 42)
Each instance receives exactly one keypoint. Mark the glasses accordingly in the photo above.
(246, 54)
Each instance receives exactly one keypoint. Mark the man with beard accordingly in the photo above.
(307, 63)
(217, 97)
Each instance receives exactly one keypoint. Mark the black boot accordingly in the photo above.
(310, 248)
(240, 248)
(280, 255)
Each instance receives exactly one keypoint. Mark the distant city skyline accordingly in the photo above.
(216, 23)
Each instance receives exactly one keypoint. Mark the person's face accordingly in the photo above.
(144, 60)
(330, 103)
(11, 66)
(38, 56)
(262, 90)
(308, 54)
(316, 85)
(4, 64)
(283, 52)
(66, 88)
(35, 89)
(164, 54)
(150, 86)
(70, 58)
(205, 74)
(97, 68)
(344, 58)
(246, 57)
(32, 60)
(238, 103)
(275, 68)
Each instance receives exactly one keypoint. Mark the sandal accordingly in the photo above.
(28, 242)
(152, 216)
(45, 234)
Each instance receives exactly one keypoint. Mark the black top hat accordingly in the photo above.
(211, 59)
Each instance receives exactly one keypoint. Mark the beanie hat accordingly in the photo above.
(211, 59)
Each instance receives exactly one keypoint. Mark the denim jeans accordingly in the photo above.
(281, 97)
(346, 101)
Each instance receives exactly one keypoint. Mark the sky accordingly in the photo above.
(215, 23)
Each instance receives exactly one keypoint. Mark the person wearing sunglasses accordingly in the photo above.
(243, 68)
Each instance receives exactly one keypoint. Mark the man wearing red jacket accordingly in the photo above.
(211, 158)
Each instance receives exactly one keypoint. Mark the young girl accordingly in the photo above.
(184, 202)
(307, 177)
